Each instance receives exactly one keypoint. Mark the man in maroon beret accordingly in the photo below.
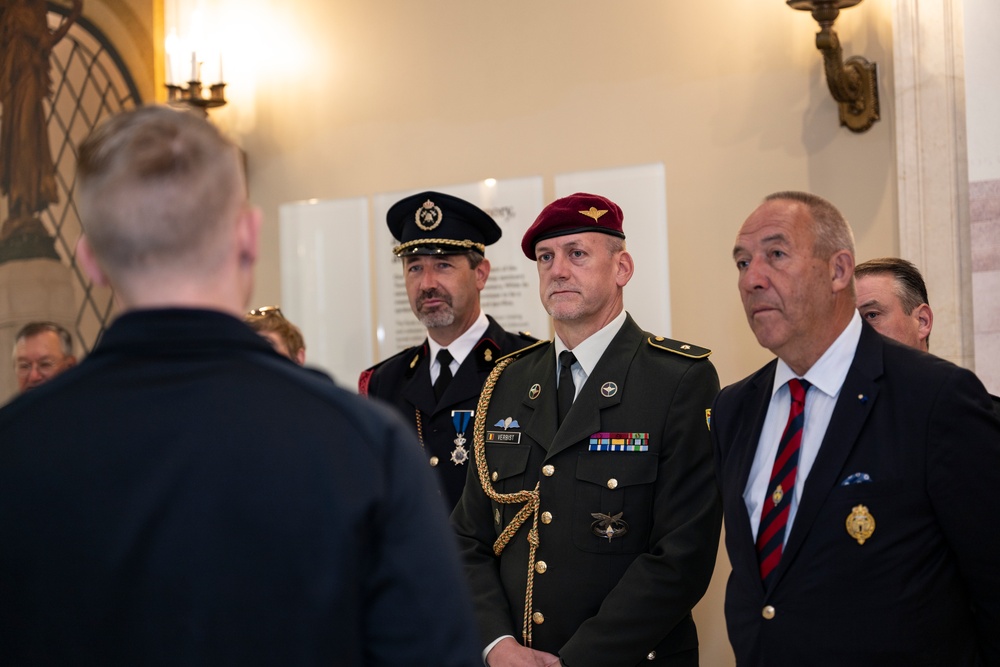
(590, 525)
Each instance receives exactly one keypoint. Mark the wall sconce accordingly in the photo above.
(854, 83)
(194, 93)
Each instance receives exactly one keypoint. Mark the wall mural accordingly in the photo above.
(59, 78)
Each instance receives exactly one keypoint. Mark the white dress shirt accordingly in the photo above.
(589, 352)
(459, 348)
(826, 377)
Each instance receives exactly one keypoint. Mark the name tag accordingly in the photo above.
(504, 436)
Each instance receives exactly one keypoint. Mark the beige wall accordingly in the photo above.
(729, 96)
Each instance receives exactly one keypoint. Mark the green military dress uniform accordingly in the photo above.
(626, 539)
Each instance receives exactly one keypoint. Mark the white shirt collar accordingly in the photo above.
(590, 351)
(462, 346)
(830, 371)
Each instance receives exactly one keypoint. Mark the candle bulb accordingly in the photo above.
(194, 67)
(221, 80)
(169, 68)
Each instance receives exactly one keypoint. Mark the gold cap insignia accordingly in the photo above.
(860, 524)
(593, 213)
(428, 216)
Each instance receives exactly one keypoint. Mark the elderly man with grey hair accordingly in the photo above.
(858, 476)
(42, 350)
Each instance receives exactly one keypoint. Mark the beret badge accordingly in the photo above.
(594, 213)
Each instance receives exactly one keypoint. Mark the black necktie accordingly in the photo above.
(567, 390)
(444, 377)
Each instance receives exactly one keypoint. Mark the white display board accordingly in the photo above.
(511, 293)
(640, 191)
(325, 285)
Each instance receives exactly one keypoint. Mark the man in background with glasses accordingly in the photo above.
(42, 350)
(187, 497)
(436, 385)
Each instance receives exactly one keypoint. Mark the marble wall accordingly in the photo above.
(984, 216)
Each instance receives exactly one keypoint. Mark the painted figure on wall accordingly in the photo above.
(27, 173)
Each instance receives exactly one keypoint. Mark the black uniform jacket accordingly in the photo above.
(186, 496)
(404, 380)
(599, 601)
(924, 588)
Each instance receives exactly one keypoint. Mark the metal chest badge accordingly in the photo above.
(608, 526)
(860, 524)
(460, 419)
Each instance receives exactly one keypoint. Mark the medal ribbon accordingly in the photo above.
(461, 419)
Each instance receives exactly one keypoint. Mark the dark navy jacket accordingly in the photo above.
(186, 496)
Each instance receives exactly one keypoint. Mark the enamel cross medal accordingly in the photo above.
(460, 419)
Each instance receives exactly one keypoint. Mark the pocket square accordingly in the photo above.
(856, 478)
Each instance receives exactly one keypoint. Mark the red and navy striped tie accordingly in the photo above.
(774, 515)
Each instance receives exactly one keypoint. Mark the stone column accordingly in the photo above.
(932, 165)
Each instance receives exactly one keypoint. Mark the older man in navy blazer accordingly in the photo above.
(859, 476)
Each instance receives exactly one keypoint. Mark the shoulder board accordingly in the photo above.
(411, 356)
(365, 380)
(524, 350)
(526, 335)
(679, 347)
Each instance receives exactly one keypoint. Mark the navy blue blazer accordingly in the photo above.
(924, 588)
(187, 496)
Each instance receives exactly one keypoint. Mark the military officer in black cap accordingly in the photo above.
(590, 522)
(436, 385)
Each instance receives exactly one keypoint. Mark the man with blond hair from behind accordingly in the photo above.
(200, 500)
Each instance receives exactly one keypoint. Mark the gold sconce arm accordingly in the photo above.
(854, 83)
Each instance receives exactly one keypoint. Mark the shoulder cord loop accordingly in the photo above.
(530, 498)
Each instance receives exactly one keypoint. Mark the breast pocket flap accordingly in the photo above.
(505, 461)
(618, 468)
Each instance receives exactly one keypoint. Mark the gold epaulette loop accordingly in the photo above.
(530, 499)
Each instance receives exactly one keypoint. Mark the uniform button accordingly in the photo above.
(538, 618)
(434, 461)
(651, 655)
(548, 470)
(612, 483)
(495, 476)
(546, 517)
(541, 566)
(768, 612)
